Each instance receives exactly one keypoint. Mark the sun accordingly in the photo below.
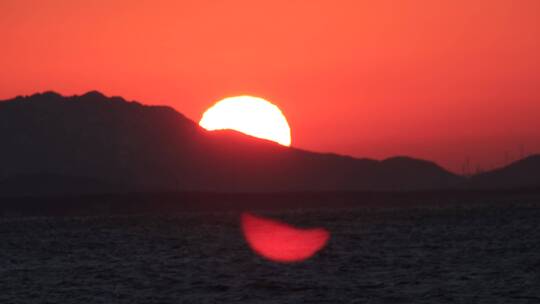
(250, 115)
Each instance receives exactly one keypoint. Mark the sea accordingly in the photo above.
(453, 253)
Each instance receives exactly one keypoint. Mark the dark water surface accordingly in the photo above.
(476, 254)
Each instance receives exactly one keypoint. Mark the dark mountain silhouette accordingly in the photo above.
(50, 184)
(524, 173)
(96, 144)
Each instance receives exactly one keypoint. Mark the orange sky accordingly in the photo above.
(441, 80)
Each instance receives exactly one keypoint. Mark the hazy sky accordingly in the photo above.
(441, 80)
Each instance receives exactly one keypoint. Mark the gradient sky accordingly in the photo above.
(440, 80)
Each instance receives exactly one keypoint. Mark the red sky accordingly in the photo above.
(435, 79)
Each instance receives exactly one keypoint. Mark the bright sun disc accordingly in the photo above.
(250, 115)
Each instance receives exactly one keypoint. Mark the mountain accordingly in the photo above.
(524, 173)
(96, 144)
(50, 184)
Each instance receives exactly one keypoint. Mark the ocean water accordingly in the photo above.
(448, 254)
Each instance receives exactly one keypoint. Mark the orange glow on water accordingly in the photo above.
(250, 115)
(281, 242)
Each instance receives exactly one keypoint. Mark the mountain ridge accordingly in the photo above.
(156, 148)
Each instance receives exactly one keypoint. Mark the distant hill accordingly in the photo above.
(524, 173)
(50, 185)
(93, 144)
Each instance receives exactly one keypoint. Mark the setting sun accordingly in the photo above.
(250, 115)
